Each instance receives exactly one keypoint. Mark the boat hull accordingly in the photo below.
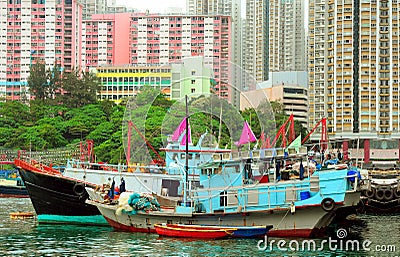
(172, 231)
(238, 232)
(305, 222)
(7, 191)
(57, 199)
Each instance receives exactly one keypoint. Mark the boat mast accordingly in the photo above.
(186, 151)
(220, 123)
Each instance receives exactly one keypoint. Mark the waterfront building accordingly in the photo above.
(36, 30)
(186, 77)
(288, 88)
(354, 70)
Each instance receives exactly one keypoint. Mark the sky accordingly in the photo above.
(154, 6)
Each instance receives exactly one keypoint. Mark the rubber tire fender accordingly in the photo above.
(79, 189)
(370, 193)
(328, 204)
(388, 194)
(396, 192)
(380, 194)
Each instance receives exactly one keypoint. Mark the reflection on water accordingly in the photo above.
(27, 238)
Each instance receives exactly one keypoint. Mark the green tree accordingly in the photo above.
(54, 76)
(14, 114)
(37, 81)
(79, 88)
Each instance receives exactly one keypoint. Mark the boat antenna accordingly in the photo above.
(187, 148)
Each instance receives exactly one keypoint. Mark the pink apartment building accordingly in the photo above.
(141, 39)
(53, 31)
(49, 30)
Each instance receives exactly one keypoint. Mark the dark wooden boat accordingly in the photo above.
(177, 230)
(56, 198)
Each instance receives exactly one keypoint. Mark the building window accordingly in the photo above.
(193, 90)
(193, 72)
(193, 81)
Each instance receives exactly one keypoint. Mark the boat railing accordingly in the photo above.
(264, 154)
(238, 199)
(270, 195)
(134, 167)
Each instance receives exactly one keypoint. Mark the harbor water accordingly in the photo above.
(374, 235)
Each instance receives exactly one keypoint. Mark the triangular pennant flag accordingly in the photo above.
(179, 130)
(296, 144)
(247, 135)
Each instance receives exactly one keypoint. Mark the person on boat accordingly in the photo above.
(122, 186)
(277, 170)
(339, 155)
(111, 192)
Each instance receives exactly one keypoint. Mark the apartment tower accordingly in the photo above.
(287, 46)
(32, 30)
(256, 38)
(354, 68)
(236, 79)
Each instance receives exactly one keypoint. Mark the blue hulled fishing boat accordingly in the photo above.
(246, 188)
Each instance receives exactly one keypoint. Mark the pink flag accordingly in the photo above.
(183, 142)
(247, 135)
(179, 130)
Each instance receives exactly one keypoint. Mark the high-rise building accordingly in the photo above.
(287, 46)
(49, 31)
(237, 78)
(256, 39)
(274, 37)
(148, 39)
(354, 73)
(224, 7)
(90, 7)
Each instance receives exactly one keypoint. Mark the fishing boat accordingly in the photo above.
(193, 232)
(238, 232)
(296, 208)
(56, 198)
(11, 185)
(229, 195)
(60, 197)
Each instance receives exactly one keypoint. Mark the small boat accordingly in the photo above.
(21, 215)
(204, 232)
(239, 232)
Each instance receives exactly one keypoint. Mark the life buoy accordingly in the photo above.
(379, 194)
(370, 193)
(388, 195)
(79, 189)
(328, 204)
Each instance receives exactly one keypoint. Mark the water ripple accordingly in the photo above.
(27, 238)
